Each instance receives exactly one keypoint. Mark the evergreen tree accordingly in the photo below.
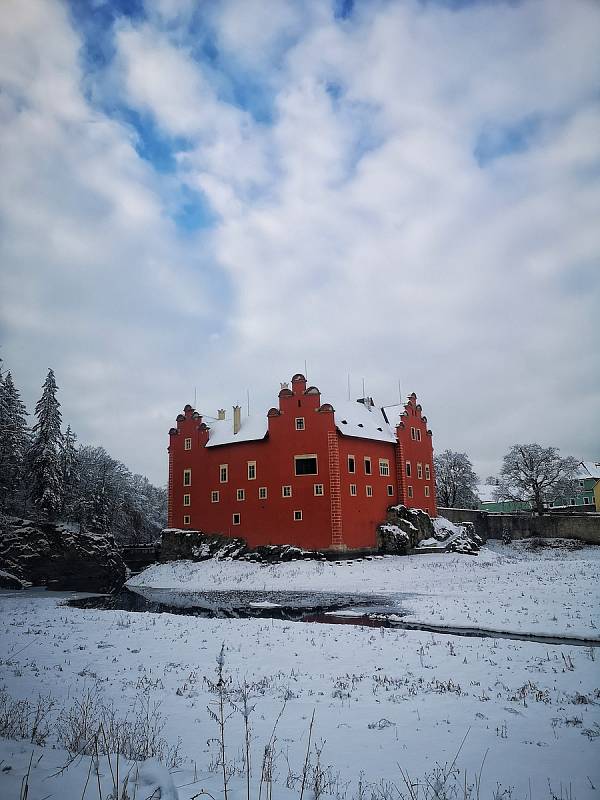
(14, 440)
(44, 465)
(69, 472)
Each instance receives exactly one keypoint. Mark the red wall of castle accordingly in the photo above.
(271, 520)
(417, 449)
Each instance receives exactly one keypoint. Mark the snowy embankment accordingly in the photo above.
(508, 588)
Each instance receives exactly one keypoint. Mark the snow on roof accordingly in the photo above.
(252, 429)
(354, 419)
(589, 469)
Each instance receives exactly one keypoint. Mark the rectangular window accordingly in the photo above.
(286, 491)
(251, 470)
(262, 493)
(369, 491)
(367, 465)
(413, 433)
(408, 469)
(419, 470)
(236, 519)
(427, 472)
(299, 423)
(187, 477)
(319, 489)
(187, 500)
(241, 494)
(214, 497)
(586, 501)
(418, 435)
(384, 467)
(223, 473)
(427, 491)
(353, 489)
(390, 490)
(187, 520)
(351, 464)
(297, 516)
(305, 465)
(572, 501)
(187, 444)
(410, 491)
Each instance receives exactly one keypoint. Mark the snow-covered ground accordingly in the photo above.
(547, 591)
(384, 699)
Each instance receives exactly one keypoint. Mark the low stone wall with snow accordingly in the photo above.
(585, 528)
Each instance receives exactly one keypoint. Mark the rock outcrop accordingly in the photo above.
(60, 556)
(198, 546)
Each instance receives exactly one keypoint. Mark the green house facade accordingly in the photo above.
(586, 482)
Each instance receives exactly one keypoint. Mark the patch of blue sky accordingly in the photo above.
(151, 143)
(342, 9)
(497, 140)
(94, 20)
(191, 212)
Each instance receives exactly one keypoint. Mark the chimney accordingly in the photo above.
(237, 418)
(221, 413)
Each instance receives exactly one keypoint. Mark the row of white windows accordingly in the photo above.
(411, 493)
(305, 465)
(419, 471)
(236, 519)
(286, 491)
(415, 434)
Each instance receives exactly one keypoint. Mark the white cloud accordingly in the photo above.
(356, 228)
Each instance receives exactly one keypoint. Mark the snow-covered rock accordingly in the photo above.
(59, 557)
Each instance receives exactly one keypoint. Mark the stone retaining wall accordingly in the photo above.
(584, 527)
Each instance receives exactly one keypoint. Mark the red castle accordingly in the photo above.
(316, 475)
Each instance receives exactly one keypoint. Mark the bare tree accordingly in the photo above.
(455, 480)
(535, 474)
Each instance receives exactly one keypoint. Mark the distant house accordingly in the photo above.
(319, 475)
(487, 502)
(586, 491)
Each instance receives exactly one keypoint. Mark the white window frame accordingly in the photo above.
(286, 491)
(418, 434)
(353, 470)
(300, 426)
(427, 472)
(353, 491)
(419, 470)
(251, 469)
(240, 495)
(187, 443)
(369, 491)
(187, 499)
(409, 491)
(426, 491)
(236, 518)
(384, 467)
(305, 474)
(390, 490)
(187, 477)
(223, 471)
(187, 520)
(586, 501)
(214, 496)
(367, 460)
(413, 433)
(262, 493)
(298, 515)
(408, 469)
(319, 490)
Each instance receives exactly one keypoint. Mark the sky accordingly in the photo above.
(200, 198)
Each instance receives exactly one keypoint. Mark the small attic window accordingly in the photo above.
(344, 422)
(360, 425)
(380, 429)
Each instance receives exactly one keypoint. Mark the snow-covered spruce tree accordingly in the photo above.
(455, 480)
(14, 441)
(534, 474)
(43, 460)
(69, 472)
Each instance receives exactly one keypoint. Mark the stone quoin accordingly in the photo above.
(317, 475)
